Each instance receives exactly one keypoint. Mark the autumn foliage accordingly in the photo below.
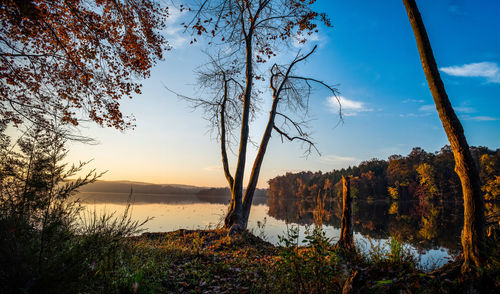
(420, 175)
(76, 58)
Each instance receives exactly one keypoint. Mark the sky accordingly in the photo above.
(370, 55)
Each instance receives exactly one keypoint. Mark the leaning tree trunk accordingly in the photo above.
(234, 219)
(254, 176)
(474, 222)
(346, 240)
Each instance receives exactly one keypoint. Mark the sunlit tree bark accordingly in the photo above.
(346, 240)
(474, 223)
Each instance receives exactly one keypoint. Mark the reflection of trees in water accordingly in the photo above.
(423, 223)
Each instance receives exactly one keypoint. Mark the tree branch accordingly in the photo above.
(290, 138)
(225, 162)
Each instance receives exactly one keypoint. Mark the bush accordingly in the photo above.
(397, 258)
(46, 244)
(311, 268)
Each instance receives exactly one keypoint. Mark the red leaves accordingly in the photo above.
(60, 54)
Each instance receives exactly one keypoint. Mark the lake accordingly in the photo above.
(427, 235)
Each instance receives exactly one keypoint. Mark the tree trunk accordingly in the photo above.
(474, 222)
(234, 220)
(346, 240)
(254, 176)
(351, 284)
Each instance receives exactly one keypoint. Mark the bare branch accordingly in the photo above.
(300, 138)
(225, 162)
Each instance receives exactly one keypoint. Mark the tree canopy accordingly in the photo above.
(76, 59)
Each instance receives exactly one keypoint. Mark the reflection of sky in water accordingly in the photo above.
(172, 216)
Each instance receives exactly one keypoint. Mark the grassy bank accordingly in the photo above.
(207, 261)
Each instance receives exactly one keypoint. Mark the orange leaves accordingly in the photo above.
(88, 53)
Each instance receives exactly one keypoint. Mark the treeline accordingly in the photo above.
(419, 175)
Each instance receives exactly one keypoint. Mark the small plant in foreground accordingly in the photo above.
(311, 268)
(397, 258)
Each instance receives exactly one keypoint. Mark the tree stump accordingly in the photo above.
(346, 240)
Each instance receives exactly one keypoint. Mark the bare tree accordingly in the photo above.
(250, 32)
(474, 222)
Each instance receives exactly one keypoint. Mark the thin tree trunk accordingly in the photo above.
(474, 222)
(27, 179)
(225, 162)
(254, 177)
(346, 240)
(234, 218)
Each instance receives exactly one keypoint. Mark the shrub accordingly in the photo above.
(311, 268)
(44, 245)
(397, 258)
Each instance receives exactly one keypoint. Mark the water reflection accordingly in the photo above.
(423, 224)
(431, 228)
(172, 212)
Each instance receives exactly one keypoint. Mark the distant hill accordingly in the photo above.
(139, 187)
(154, 193)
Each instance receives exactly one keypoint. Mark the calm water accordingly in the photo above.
(269, 219)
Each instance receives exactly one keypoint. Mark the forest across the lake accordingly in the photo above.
(420, 175)
(415, 198)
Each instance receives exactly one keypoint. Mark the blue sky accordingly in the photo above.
(370, 54)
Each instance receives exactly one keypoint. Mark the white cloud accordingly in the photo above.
(427, 108)
(488, 70)
(313, 38)
(331, 158)
(349, 107)
(431, 108)
(176, 41)
(478, 118)
(412, 115)
(284, 170)
(174, 28)
(456, 10)
(213, 168)
(413, 101)
(464, 109)
(173, 15)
